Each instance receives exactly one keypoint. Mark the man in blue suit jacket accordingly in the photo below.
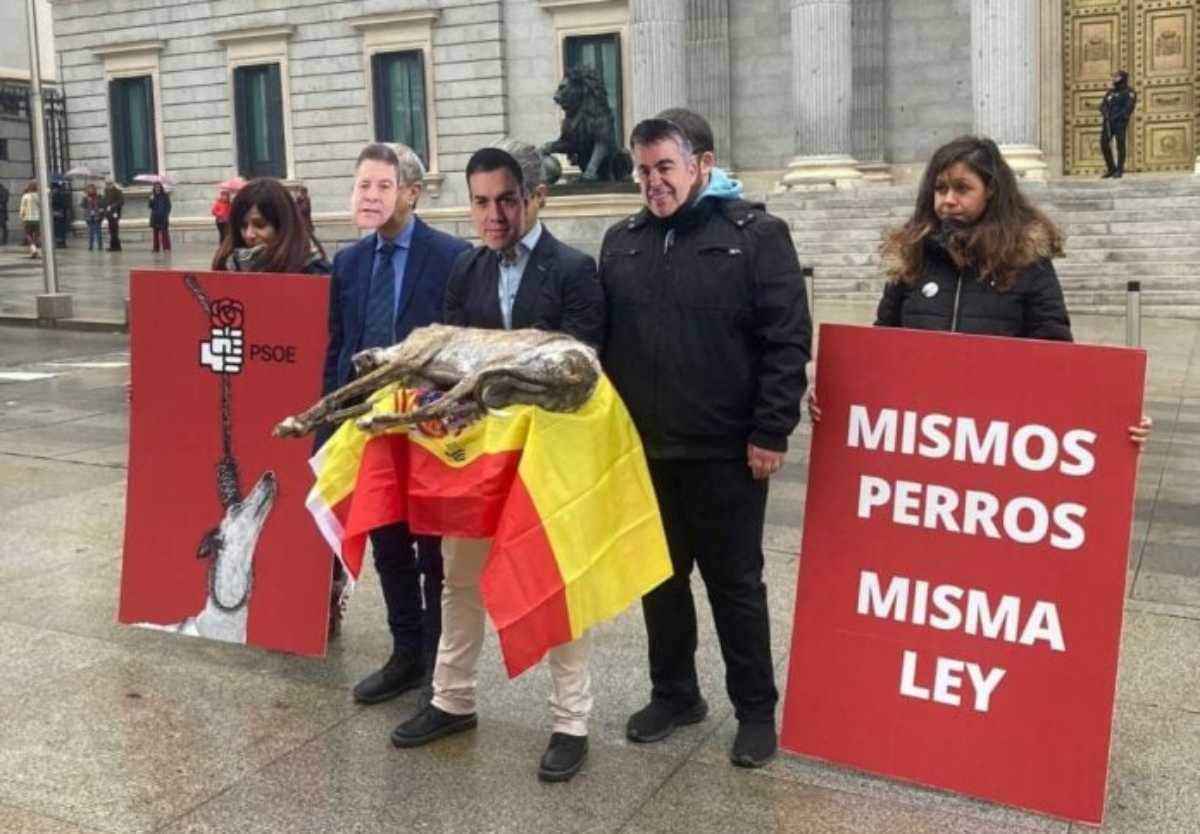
(383, 287)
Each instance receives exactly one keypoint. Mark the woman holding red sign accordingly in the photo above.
(975, 257)
(267, 233)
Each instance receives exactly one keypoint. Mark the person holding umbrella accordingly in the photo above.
(60, 210)
(160, 217)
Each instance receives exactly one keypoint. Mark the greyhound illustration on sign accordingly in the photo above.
(230, 545)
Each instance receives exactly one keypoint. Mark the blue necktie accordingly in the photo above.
(380, 328)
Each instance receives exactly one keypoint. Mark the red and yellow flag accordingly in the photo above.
(566, 498)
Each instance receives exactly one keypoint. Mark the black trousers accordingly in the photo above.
(114, 234)
(1107, 134)
(713, 513)
(410, 574)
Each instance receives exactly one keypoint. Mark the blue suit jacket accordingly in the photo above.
(422, 295)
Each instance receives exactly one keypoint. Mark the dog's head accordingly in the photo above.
(243, 520)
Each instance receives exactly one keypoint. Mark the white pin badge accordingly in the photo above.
(929, 290)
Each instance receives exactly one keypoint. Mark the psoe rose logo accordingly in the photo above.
(222, 352)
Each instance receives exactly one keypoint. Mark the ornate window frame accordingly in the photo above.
(134, 59)
(408, 31)
(576, 18)
(257, 46)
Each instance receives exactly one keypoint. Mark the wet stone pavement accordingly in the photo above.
(106, 729)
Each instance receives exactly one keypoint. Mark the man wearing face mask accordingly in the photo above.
(1117, 108)
(520, 277)
(384, 286)
(708, 334)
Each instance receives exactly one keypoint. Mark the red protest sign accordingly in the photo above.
(218, 542)
(962, 580)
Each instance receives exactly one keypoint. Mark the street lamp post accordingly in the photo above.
(52, 305)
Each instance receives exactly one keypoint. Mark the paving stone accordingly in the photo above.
(714, 799)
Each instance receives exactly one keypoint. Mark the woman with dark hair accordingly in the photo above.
(974, 257)
(268, 234)
(160, 218)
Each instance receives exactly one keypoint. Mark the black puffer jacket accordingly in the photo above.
(946, 299)
(708, 329)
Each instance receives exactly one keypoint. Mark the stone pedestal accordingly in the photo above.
(822, 96)
(659, 34)
(54, 306)
(1005, 81)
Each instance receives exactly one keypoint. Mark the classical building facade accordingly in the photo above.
(801, 93)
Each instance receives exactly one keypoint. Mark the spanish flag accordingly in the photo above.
(566, 498)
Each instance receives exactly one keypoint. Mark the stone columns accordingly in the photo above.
(659, 32)
(822, 95)
(708, 69)
(870, 65)
(1005, 42)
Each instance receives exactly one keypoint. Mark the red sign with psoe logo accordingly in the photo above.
(218, 542)
(962, 579)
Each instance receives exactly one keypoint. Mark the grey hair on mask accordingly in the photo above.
(409, 165)
(528, 157)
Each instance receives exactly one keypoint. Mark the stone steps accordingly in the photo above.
(1143, 228)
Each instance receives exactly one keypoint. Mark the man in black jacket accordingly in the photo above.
(708, 334)
(519, 277)
(1117, 108)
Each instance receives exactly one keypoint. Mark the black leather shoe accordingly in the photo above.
(1107, 174)
(402, 672)
(563, 757)
(658, 719)
(429, 725)
(1118, 175)
(755, 744)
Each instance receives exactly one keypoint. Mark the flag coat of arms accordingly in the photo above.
(565, 497)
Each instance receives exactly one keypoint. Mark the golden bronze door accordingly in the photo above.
(1156, 42)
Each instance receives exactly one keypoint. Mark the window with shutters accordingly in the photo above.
(603, 52)
(398, 80)
(258, 117)
(131, 111)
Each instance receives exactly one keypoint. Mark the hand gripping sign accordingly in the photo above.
(962, 578)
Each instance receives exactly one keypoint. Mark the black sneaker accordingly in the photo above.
(755, 744)
(658, 719)
(402, 672)
(563, 757)
(429, 725)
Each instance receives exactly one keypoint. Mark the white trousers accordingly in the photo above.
(455, 678)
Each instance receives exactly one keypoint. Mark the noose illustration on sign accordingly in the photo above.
(229, 490)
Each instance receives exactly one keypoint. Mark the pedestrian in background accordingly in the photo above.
(31, 215)
(220, 213)
(60, 211)
(305, 205)
(114, 204)
(93, 216)
(3, 215)
(160, 217)
(1117, 108)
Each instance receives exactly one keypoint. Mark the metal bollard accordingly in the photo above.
(1133, 314)
(810, 288)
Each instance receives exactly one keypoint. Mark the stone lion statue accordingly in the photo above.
(587, 128)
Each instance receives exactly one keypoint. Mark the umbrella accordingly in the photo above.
(232, 184)
(154, 178)
(83, 172)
